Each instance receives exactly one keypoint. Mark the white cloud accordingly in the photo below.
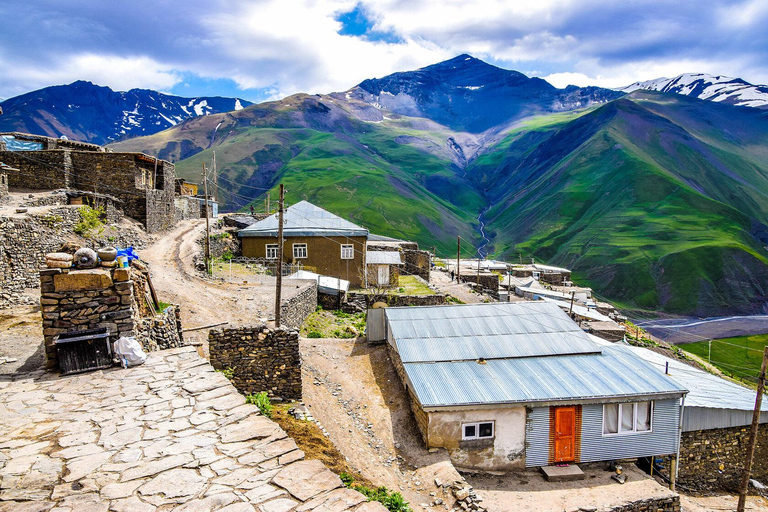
(119, 73)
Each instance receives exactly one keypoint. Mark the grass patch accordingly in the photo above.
(333, 324)
(410, 285)
(162, 306)
(392, 501)
(739, 357)
(311, 440)
(91, 221)
(261, 400)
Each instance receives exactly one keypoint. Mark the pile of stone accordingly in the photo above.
(466, 498)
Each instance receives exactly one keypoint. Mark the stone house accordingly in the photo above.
(315, 238)
(144, 185)
(383, 268)
(504, 386)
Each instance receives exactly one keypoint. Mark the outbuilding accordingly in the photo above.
(511, 385)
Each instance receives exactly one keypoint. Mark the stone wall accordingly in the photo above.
(295, 310)
(187, 207)
(393, 300)
(417, 263)
(487, 281)
(422, 418)
(23, 245)
(76, 300)
(3, 188)
(162, 331)
(262, 359)
(669, 504)
(144, 186)
(714, 459)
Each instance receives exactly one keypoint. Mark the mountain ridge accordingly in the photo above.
(99, 115)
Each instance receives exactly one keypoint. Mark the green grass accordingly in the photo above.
(333, 324)
(410, 285)
(740, 357)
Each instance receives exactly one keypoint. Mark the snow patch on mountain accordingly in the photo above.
(723, 89)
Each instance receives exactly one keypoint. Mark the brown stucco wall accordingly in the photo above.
(323, 254)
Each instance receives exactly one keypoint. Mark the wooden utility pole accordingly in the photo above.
(207, 224)
(458, 258)
(752, 435)
(570, 312)
(279, 276)
(269, 206)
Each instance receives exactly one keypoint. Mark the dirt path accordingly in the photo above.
(203, 301)
(353, 391)
(442, 281)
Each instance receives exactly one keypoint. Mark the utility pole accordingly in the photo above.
(207, 225)
(458, 259)
(215, 180)
(752, 435)
(269, 206)
(570, 312)
(279, 276)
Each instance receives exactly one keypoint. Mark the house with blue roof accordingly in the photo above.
(511, 385)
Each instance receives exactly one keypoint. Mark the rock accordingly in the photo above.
(80, 281)
(175, 483)
(306, 479)
(461, 493)
(107, 254)
(121, 275)
(21, 210)
(86, 258)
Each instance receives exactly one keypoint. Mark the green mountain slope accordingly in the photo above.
(394, 176)
(657, 201)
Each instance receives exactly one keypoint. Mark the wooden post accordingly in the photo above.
(215, 180)
(744, 487)
(207, 225)
(269, 206)
(672, 472)
(279, 284)
(458, 259)
(570, 311)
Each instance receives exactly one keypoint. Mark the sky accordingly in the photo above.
(267, 49)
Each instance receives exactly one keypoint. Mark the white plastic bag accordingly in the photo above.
(129, 351)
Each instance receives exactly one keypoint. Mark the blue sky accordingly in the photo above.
(267, 49)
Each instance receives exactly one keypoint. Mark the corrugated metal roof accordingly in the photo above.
(586, 312)
(614, 373)
(305, 219)
(383, 258)
(488, 331)
(707, 390)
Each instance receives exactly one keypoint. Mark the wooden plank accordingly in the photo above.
(152, 291)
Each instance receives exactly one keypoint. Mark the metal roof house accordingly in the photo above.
(321, 241)
(503, 386)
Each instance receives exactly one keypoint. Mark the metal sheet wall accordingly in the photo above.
(375, 326)
(706, 418)
(597, 447)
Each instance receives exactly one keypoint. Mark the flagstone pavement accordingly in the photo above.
(169, 435)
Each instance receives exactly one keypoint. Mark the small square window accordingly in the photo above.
(347, 252)
(299, 251)
(272, 251)
(482, 430)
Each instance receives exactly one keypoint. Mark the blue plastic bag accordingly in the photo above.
(128, 253)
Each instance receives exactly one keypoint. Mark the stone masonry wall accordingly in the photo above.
(38, 170)
(670, 504)
(76, 300)
(262, 359)
(489, 282)
(422, 418)
(162, 331)
(3, 188)
(295, 310)
(702, 453)
(417, 263)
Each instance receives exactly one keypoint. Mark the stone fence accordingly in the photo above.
(714, 459)
(261, 359)
(295, 310)
(669, 504)
(162, 331)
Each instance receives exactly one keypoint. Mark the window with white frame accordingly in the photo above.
(272, 251)
(347, 252)
(299, 251)
(627, 418)
(481, 430)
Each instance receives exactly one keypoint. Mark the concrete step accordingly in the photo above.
(563, 473)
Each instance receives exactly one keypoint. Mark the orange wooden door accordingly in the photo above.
(565, 434)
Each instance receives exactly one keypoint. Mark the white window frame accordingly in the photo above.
(347, 252)
(634, 419)
(300, 247)
(477, 424)
(274, 249)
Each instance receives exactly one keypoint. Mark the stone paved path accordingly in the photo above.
(170, 435)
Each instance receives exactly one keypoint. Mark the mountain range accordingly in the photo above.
(723, 89)
(90, 113)
(659, 201)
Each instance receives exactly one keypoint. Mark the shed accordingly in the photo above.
(383, 267)
(502, 386)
